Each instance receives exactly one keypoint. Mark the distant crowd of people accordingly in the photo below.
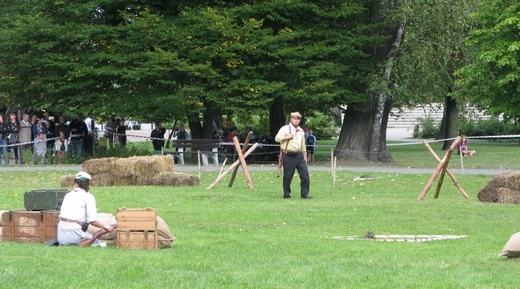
(40, 135)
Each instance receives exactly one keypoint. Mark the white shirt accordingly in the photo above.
(79, 205)
(88, 122)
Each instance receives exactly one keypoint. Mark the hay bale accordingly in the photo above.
(508, 196)
(98, 166)
(67, 181)
(124, 181)
(143, 167)
(165, 237)
(175, 179)
(102, 180)
(505, 186)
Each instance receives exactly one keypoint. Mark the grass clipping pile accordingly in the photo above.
(503, 188)
(134, 171)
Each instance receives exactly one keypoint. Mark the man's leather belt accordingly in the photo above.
(293, 154)
(70, 221)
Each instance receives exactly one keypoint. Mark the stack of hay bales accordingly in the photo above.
(134, 171)
(503, 188)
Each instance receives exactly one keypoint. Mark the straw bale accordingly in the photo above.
(508, 196)
(124, 181)
(67, 181)
(503, 188)
(165, 237)
(108, 220)
(146, 167)
(98, 166)
(176, 179)
(102, 180)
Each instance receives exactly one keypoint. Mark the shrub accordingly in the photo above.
(427, 127)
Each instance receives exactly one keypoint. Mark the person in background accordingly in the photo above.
(78, 132)
(24, 136)
(51, 126)
(40, 149)
(463, 147)
(120, 136)
(14, 130)
(4, 129)
(157, 137)
(62, 127)
(228, 125)
(61, 146)
(311, 144)
(78, 207)
(292, 142)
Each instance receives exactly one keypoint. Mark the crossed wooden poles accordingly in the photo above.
(442, 169)
(242, 154)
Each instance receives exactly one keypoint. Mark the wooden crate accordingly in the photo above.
(136, 239)
(42, 200)
(30, 226)
(136, 219)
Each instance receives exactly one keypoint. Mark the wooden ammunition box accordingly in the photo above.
(41, 200)
(136, 239)
(30, 226)
(136, 219)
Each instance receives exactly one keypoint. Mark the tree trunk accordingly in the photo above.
(449, 124)
(277, 118)
(202, 130)
(363, 134)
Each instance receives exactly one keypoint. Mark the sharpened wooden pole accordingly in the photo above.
(452, 176)
(236, 163)
(244, 149)
(445, 167)
(437, 170)
(242, 160)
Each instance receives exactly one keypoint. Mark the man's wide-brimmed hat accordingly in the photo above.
(296, 115)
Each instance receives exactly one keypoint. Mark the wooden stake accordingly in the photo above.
(440, 167)
(244, 149)
(223, 164)
(334, 174)
(452, 176)
(198, 159)
(242, 160)
(332, 162)
(236, 163)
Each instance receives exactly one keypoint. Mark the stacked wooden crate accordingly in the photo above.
(136, 228)
(29, 226)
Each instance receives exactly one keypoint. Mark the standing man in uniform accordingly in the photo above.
(292, 141)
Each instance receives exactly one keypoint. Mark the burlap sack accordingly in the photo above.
(107, 219)
(165, 237)
(512, 247)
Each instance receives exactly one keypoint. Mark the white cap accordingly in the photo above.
(83, 176)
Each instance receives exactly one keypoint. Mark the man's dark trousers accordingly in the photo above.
(291, 163)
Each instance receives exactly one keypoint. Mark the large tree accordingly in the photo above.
(493, 80)
(433, 49)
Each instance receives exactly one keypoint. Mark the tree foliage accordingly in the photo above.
(493, 80)
(158, 60)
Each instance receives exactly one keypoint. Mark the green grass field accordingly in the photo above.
(241, 238)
